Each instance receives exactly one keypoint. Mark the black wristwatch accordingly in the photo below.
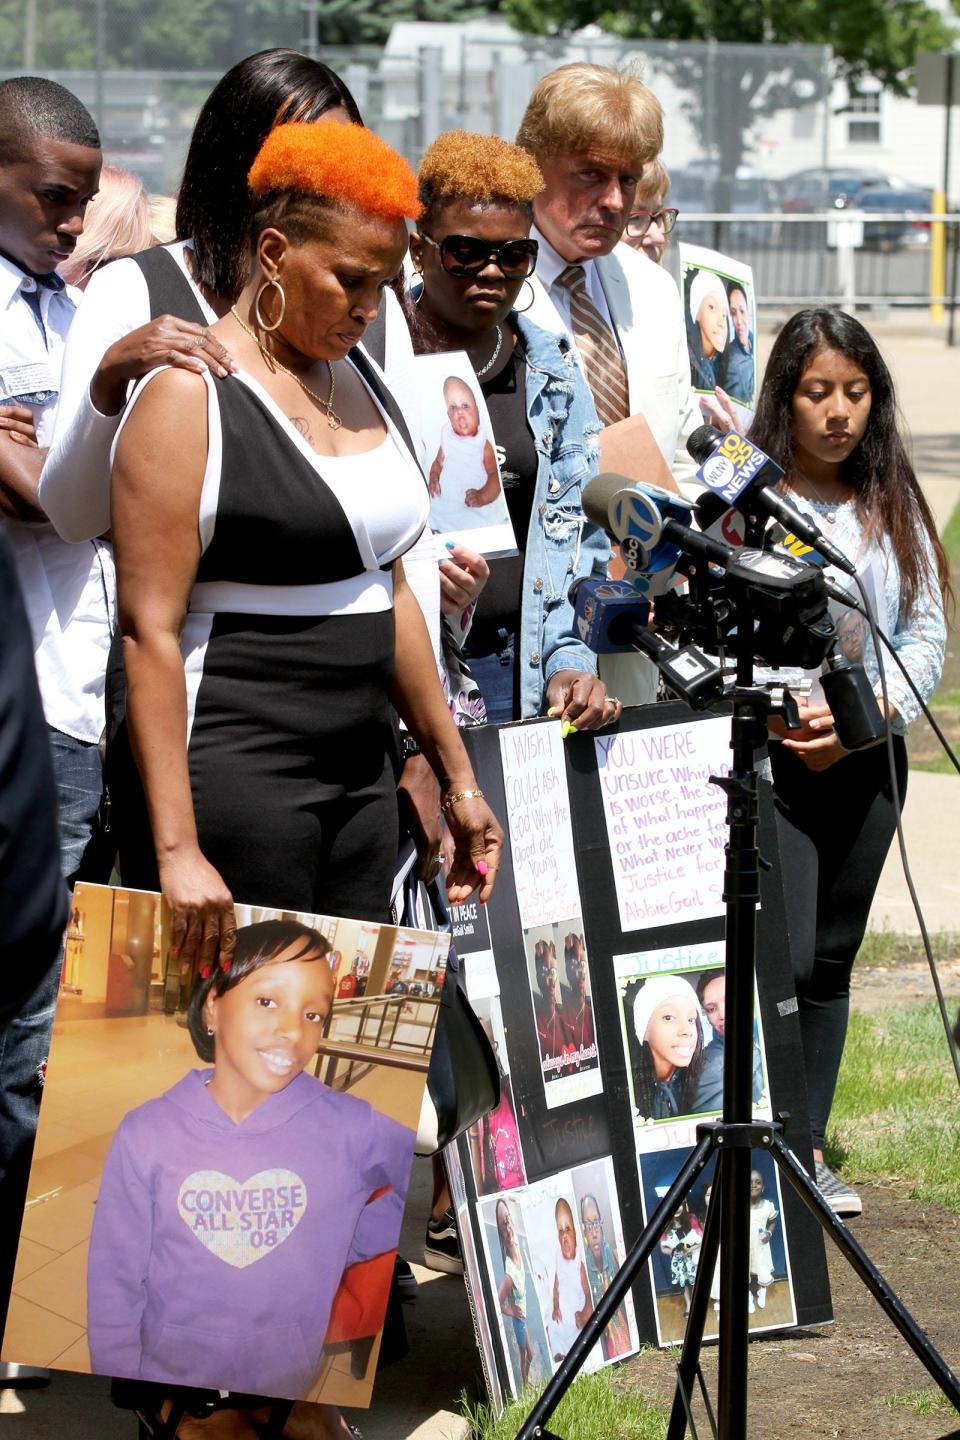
(408, 746)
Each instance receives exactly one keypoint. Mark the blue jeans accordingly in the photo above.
(25, 1040)
(494, 671)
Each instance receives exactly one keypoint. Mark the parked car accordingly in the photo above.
(696, 194)
(807, 191)
(899, 232)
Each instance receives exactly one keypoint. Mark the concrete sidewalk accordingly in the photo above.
(927, 375)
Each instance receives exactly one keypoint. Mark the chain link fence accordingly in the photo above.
(738, 117)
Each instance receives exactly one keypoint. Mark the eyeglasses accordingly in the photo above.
(467, 255)
(641, 220)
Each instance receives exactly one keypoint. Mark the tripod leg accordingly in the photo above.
(533, 1427)
(734, 1293)
(689, 1361)
(867, 1272)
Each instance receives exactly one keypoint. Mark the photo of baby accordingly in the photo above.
(238, 1216)
(460, 460)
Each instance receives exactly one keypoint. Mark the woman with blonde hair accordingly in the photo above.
(117, 224)
(651, 219)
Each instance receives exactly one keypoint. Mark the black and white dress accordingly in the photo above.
(288, 651)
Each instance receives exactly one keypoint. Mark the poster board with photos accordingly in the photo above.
(165, 1240)
(460, 457)
(612, 878)
(720, 311)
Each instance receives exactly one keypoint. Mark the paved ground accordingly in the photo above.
(927, 376)
(417, 1399)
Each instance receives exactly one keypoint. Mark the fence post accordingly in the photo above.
(431, 94)
(846, 233)
(938, 257)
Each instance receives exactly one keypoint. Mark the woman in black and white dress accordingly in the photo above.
(258, 520)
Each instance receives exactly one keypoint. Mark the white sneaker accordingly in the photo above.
(842, 1199)
(750, 1305)
(762, 1296)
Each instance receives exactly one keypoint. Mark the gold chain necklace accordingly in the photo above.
(333, 419)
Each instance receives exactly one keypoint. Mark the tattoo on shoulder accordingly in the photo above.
(301, 423)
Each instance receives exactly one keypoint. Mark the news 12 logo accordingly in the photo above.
(732, 467)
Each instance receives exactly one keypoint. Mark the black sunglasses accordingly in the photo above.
(464, 255)
(641, 220)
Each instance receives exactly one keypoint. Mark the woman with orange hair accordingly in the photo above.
(258, 520)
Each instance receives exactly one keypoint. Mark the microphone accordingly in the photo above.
(611, 618)
(740, 473)
(651, 525)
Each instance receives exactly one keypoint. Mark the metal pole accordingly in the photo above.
(99, 62)
(30, 35)
(951, 60)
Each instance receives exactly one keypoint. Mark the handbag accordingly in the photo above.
(463, 1081)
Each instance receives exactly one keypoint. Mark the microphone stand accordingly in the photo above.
(731, 1139)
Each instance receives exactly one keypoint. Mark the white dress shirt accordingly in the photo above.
(67, 588)
(551, 265)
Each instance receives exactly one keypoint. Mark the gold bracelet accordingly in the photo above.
(450, 800)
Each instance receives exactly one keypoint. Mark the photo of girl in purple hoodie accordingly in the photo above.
(231, 1206)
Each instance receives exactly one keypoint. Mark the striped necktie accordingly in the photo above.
(599, 352)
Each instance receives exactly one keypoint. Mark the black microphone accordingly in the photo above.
(740, 473)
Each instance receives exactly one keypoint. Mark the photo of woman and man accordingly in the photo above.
(675, 1262)
(242, 1227)
(721, 325)
(553, 1249)
(673, 1025)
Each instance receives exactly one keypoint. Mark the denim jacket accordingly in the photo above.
(561, 543)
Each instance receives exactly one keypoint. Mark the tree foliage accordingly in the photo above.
(879, 38)
(729, 87)
(199, 34)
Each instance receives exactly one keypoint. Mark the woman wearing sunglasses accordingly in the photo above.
(651, 220)
(473, 251)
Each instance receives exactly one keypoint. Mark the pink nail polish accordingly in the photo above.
(482, 867)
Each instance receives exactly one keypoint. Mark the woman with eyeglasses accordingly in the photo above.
(650, 220)
(473, 251)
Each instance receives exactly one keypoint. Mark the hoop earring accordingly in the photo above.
(210, 1030)
(533, 296)
(283, 305)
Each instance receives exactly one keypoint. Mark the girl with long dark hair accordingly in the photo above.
(827, 413)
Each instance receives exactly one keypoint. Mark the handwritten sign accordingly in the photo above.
(538, 814)
(666, 824)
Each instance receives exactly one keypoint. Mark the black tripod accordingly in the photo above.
(731, 1140)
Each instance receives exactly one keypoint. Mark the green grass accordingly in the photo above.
(923, 1402)
(896, 1114)
(943, 765)
(951, 536)
(883, 949)
(595, 1407)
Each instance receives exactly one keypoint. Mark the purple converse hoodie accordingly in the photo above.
(217, 1248)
